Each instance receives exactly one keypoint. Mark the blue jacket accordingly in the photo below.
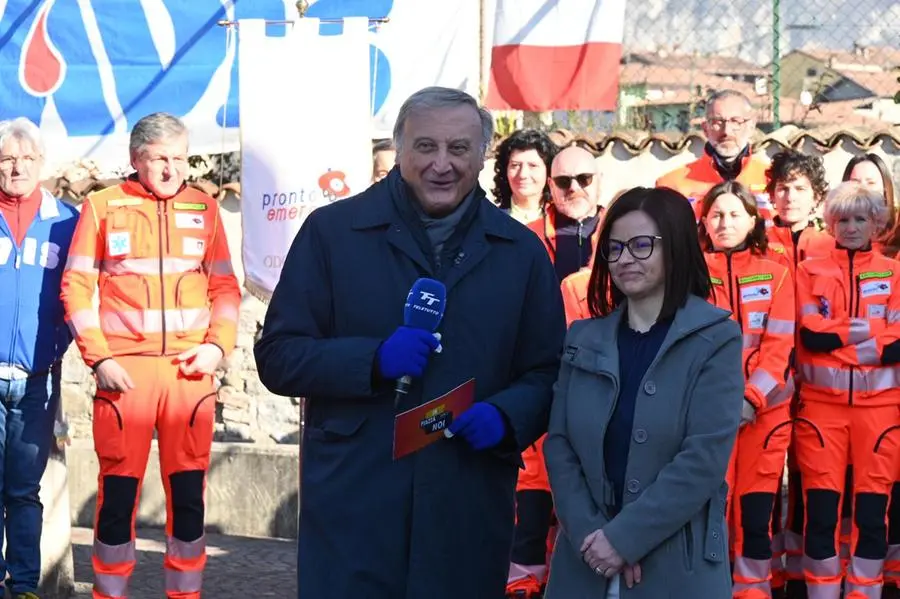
(33, 333)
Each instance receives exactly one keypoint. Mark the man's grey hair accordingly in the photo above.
(443, 97)
(24, 130)
(154, 128)
(724, 94)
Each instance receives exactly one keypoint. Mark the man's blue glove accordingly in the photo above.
(482, 426)
(405, 353)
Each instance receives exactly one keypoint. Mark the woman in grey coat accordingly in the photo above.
(645, 413)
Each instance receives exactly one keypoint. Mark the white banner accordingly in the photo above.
(305, 133)
(424, 42)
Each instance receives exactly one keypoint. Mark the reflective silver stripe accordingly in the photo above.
(763, 381)
(823, 591)
(867, 353)
(782, 394)
(822, 568)
(150, 266)
(88, 264)
(893, 316)
(859, 330)
(183, 582)
(82, 320)
(893, 555)
(875, 379)
(114, 554)
(151, 321)
(868, 591)
(110, 585)
(808, 309)
(793, 542)
(781, 327)
(751, 340)
(185, 549)
(225, 311)
(756, 570)
(220, 268)
(865, 569)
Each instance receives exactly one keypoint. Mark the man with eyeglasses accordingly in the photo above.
(728, 126)
(36, 231)
(568, 230)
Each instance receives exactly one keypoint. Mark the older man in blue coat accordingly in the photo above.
(436, 524)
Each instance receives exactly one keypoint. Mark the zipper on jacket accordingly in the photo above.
(855, 313)
(160, 212)
(734, 301)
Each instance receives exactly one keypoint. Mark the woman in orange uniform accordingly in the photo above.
(758, 290)
(849, 323)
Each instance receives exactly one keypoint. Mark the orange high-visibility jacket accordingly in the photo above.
(812, 243)
(574, 292)
(759, 293)
(849, 306)
(695, 179)
(164, 273)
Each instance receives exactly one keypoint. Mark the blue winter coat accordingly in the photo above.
(436, 524)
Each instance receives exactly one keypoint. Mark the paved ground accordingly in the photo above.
(237, 568)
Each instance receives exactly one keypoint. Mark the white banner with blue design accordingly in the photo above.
(87, 70)
(305, 133)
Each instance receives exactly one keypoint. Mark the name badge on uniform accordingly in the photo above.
(118, 243)
(872, 288)
(757, 320)
(756, 293)
(193, 246)
(186, 220)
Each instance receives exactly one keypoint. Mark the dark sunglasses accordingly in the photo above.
(564, 182)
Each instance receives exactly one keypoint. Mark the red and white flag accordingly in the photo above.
(556, 55)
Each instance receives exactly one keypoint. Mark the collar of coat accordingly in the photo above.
(695, 316)
(378, 210)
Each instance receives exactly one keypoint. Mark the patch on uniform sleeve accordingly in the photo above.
(755, 278)
(118, 243)
(196, 206)
(756, 293)
(757, 320)
(874, 288)
(186, 220)
(193, 246)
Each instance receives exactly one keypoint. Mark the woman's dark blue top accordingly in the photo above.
(636, 353)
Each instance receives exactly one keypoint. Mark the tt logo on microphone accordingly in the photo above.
(428, 297)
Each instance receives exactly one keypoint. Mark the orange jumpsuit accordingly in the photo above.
(847, 361)
(574, 292)
(793, 248)
(759, 293)
(693, 180)
(163, 275)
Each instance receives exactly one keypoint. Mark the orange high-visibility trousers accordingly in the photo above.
(827, 436)
(761, 447)
(182, 410)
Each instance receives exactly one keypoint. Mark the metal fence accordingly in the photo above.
(809, 63)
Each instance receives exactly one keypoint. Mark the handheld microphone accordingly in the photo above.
(424, 309)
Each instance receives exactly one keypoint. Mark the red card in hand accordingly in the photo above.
(425, 424)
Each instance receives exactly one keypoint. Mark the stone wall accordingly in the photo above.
(246, 411)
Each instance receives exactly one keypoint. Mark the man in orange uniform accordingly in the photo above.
(727, 156)
(167, 315)
(797, 185)
(847, 356)
(569, 231)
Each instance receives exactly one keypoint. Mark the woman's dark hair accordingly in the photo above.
(789, 164)
(756, 239)
(685, 268)
(523, 139)
(891, 234)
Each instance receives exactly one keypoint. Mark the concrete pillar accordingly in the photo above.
(57, 567)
